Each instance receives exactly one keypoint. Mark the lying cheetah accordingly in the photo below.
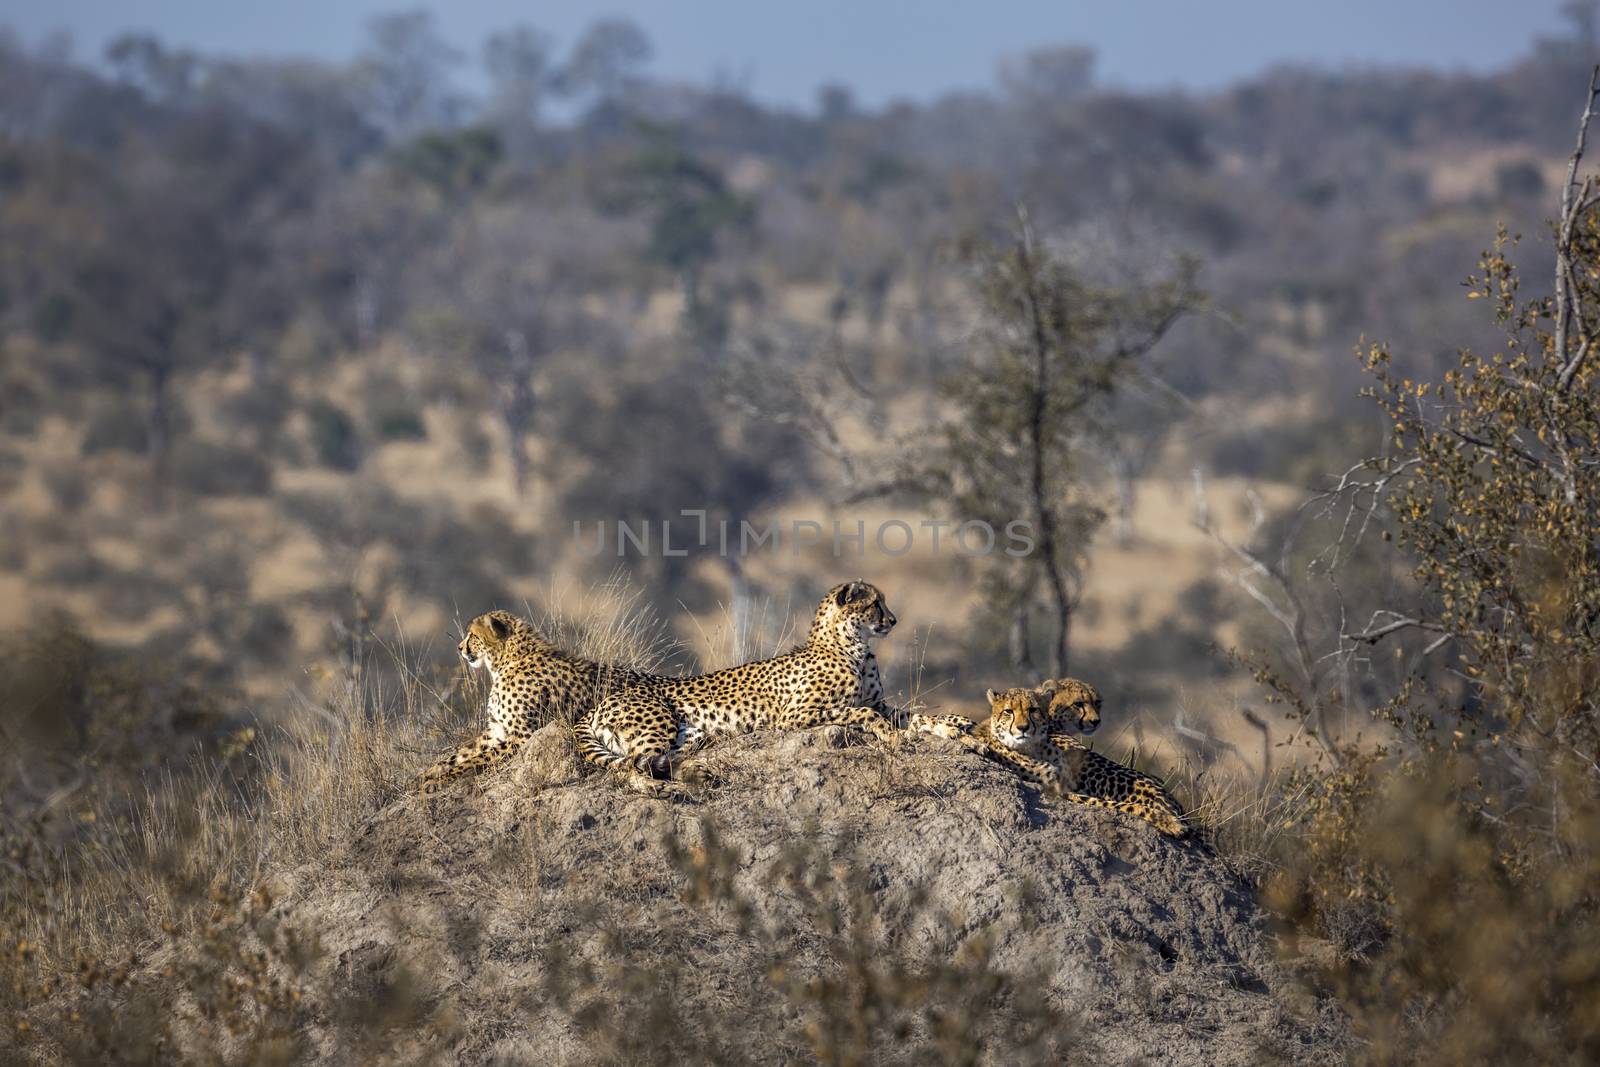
(532, 681)
(1068, 704)
(830, 679)
(1026, 731)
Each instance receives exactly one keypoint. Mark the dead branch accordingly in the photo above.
(1286, 608)
(1376, 632)
(1567, 308)
(1353, 491)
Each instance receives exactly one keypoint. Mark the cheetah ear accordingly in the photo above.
(845, 593)
(991, 696)
(1049, 687)
(499, 627)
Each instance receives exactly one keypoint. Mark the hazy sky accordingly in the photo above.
(883, 48)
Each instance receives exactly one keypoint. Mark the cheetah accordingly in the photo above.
(830, 679)
(1026, 731)
(531, 681)
(1069, 704)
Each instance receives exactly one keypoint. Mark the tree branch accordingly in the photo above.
(1566, 295)
(1375, 633)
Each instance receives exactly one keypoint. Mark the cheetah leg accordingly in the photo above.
(952, 727)
(493, 746)
(864, 718)
(657, 776)
(1040, 772)
(690, 740)
(1157, 807)
(1159, 817)
(955, 728)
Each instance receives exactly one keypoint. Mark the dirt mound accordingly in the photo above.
(799, 895)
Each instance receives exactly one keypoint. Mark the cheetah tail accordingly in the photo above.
(592, 749)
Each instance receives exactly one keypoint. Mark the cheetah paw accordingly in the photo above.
(696, 774)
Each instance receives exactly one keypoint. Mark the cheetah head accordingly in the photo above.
(487, 635)
(854, 610)
(1017, 718)
(1073, 704)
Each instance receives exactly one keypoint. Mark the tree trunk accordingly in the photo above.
(1018, 637)
(158, 426)
(1122, 473)
(1042, 386)
(518, 435)
(519, 406)
(1058, 591)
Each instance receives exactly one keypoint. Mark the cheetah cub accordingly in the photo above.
(831, 679)
(1026, 730)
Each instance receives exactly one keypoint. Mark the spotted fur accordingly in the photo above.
(1027, 730)
(1058, 705)
(531, 682)
(831, 679)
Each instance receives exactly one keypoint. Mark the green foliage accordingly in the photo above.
(1452, 860)
(453, 161)
(1459, 935)
(334, 437)
(691, 205)
(393, 414)
(115, 427)
(1498, 502)
(218, 469)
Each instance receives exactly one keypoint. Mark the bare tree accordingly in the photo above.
(406, 73)
(1050, 347)
(607, 59)
(521, 74)
(505, 314)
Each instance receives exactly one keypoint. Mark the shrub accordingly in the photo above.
(1460, 940)
(21, 409)
(215, 469)
(1454, 863)
(334, 436)
(392, 414)
(115, 428)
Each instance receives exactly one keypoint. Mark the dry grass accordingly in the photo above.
(266, 799)
(155, 937)
(163, 914)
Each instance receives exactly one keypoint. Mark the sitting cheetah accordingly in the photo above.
(830, 679)
(532, 681)
(1027, 734)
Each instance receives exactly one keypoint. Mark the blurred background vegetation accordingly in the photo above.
(301, 359)
(280, 336)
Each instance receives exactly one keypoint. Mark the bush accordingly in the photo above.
(392, 414)
(21, 409)
(214, 469)
(334, 436)
(1453, 861)
(1454, 933)
(115, 428)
